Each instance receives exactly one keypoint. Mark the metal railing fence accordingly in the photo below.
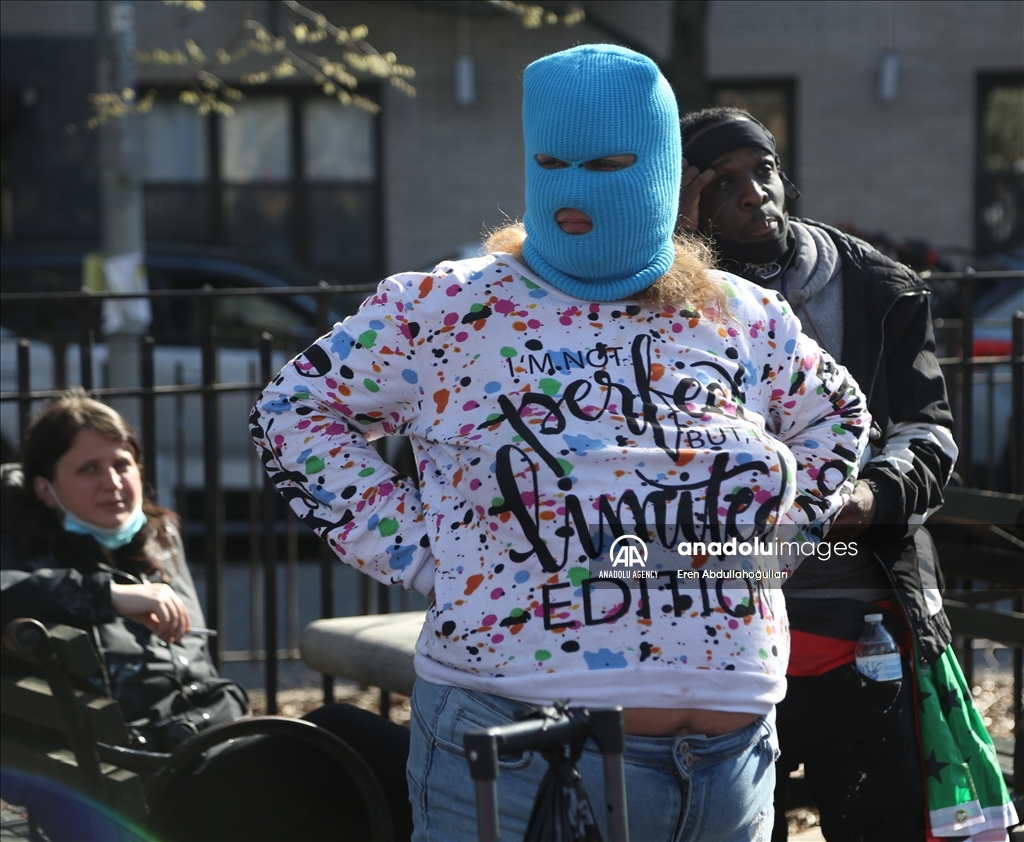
(264, 521)
(986, 391)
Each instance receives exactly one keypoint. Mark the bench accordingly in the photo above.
(374, 650)
(58, 731)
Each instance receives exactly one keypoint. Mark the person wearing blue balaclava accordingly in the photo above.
(589, 103)
(586, 378)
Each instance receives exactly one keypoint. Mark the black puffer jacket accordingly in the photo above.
(889, 348)
(71, 585)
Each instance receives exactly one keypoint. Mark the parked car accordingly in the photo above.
(993, 409)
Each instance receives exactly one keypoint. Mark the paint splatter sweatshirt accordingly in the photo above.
(541, 423)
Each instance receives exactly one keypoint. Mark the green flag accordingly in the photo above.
(966, 792)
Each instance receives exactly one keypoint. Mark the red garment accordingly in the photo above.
(814, 654)
(816, 648)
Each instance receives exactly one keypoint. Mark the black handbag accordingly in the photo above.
(188, 710)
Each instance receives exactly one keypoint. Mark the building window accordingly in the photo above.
(999, 191)
(340, 187)
(174, 145)
(292, 175)
(327, 130)
(772, 101)
(176, 173)
(255, 142)
(258, 198)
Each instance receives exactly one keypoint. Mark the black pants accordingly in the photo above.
(275, 788)
(858, 742)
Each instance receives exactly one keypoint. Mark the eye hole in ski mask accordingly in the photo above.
(610, 163)
(586, 113)
(573, 220)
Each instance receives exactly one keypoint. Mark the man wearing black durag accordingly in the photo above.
(856, 737)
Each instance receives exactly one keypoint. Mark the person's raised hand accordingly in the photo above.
(856, 516)
(155, 606)
(689, 195)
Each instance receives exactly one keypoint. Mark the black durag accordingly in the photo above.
(764, 259)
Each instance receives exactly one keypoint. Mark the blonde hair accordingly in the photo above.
(686, 285)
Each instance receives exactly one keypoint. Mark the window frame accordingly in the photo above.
(985, 81)
(298, 230)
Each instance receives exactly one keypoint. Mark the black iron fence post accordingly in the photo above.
(24, 387)
(85, 348)
(212, 504)
(323, 315)
(147, 377)
(257, 532)
(269, 554)
(966, 459)
(180, 464)
(1017, 412)
(60, 363)
(1017, 484)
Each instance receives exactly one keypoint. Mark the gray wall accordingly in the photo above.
(454, 171)
(905, 167)
(450, 172)
(55, 18)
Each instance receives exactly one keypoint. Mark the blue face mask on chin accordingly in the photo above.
(110, 538)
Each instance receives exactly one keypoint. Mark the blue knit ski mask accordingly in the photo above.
(586, 103)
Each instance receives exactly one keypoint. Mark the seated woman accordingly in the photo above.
(589, 376)
(83, 544)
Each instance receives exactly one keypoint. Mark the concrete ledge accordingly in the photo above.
(376, 650)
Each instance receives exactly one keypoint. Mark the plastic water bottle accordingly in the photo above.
(878, 656)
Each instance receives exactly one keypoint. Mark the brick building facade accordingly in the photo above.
(440, 173)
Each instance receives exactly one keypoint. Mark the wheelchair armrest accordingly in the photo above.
(141, 762)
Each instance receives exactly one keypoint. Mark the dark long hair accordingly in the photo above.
(37, 528)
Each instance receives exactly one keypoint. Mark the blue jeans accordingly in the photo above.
(677, 788)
